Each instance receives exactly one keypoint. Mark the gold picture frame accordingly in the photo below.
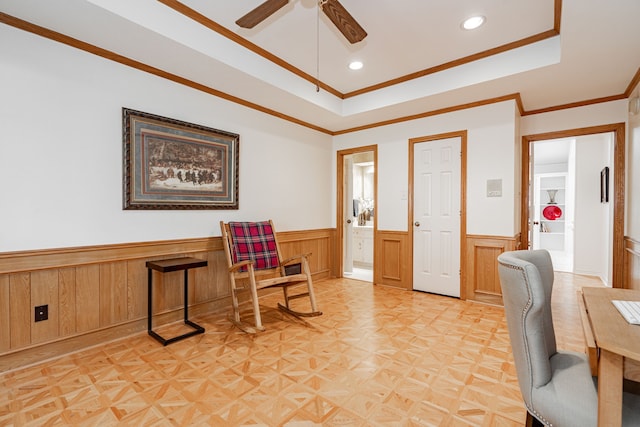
(171, 164)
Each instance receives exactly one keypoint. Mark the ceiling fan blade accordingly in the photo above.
(261, 13)
(343, 21)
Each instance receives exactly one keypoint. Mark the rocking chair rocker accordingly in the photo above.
(255, 262)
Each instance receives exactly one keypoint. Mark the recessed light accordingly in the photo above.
(355, 65)
(473, 22)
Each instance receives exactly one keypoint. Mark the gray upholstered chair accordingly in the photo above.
(556, 386)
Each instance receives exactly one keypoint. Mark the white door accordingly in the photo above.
(348, 215)
(436, 216)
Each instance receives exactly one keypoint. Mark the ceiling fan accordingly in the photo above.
(342, 19)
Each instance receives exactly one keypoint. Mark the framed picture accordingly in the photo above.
(170, 164)
(604, 185)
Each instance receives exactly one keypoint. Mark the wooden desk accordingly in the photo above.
(615, 339)
(165, 266)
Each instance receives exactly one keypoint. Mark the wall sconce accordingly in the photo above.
(634, 105)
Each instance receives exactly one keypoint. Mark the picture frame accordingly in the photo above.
(171, 164)
(604, 185)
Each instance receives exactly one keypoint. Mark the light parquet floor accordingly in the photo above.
(377, 357)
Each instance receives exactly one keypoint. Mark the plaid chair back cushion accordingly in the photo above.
(254, 241)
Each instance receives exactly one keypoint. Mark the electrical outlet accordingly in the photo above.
(41, 313)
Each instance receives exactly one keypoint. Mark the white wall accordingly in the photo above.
(575, 118)
(592, 233)
(61, 153)
(491, 154)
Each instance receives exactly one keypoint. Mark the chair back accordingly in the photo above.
(526, 278)
(253, 241)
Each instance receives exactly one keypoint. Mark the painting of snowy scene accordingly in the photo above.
(171, 164)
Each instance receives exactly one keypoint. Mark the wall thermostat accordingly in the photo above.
(494, 188)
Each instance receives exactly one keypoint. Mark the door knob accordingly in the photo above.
(348, 221)
(417, 224)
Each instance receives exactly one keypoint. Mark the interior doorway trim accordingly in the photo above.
(341, 154)
(462, 134)
(618, 129)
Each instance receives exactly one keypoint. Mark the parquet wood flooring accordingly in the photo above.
(377, 357)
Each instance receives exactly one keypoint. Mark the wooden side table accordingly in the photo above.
(165, 266)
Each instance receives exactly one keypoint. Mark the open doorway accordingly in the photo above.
(569, 217)
(356, 220)
(553, 190)
(602, 147)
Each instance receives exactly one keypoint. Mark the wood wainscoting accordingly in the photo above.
(632, 263)
(392, 259)
(99, 293)
(482, 280)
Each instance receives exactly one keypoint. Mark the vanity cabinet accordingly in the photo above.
(363, 246)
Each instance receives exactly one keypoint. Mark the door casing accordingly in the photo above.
(618, 130)
(340, 204)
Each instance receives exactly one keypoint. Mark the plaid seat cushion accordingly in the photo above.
(254, 241)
